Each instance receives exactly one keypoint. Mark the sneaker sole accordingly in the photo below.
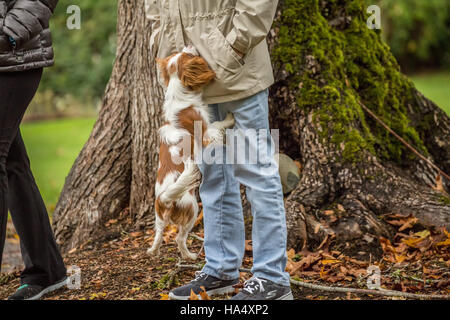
(213, 292)
(287, 296)
(49, 289)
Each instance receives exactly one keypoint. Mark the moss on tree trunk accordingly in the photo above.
(327, 61)
(329, 52)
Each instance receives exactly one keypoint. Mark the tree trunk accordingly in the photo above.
(117, 167)
(354, 171)
(326, 60)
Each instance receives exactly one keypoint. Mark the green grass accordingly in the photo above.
(52, 148)
(435, 86)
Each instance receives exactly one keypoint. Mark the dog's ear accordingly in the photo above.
(162, 65)
(194, 72)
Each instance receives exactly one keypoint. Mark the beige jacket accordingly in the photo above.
(215, 27)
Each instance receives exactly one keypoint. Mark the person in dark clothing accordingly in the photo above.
(25, 49)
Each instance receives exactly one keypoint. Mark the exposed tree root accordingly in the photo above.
(383, 292)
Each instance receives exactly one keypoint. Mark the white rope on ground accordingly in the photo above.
(383, 292)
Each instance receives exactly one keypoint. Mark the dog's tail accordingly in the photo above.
(188, 180)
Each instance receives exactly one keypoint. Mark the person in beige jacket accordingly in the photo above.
(231, 36)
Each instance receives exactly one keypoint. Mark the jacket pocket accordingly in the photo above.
(228, 62)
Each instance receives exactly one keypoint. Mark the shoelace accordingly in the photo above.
(199, 275)
(23, 286)
(253, 284)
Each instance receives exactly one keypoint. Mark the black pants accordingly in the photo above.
(18, 190)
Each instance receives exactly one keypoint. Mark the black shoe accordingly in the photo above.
(262, 289)
(212, 285)
(35, 292)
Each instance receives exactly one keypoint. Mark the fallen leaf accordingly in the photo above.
(399, 258)
(357, 272)
(248, 246)
(417, 238)
(386, 245)
(136, 234)
(203, 294)
(193, 296)
(444, 243)
(290, 254)
(330, 261)
(439, 185)
(409, 223)
(97, 284)
(199, 219)
(323, 273)
(305, 263)
(164, 296)
(404, 222)
(444, 283)
(446, 233)
(422, 234)
(172, 230)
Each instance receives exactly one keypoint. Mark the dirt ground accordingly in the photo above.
(122, 270)
(118, 268)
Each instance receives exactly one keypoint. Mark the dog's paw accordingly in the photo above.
(189, 164)
(189, 255)
(214, 135)
(229, 120)
(191, 167)
(153, 252)
(190, 49)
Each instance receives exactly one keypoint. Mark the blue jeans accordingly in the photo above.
(222, 207)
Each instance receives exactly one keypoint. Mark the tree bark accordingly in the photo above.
(325, 60)
(116, 168)
(146, 115)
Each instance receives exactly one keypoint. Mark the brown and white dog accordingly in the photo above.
(185, 74)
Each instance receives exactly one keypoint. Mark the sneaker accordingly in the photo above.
(35, 292)
(262, 289)
(212, 285)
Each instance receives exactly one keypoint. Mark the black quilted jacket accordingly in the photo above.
(27, 22)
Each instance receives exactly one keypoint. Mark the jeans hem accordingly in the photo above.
(219, 274)
(277, 280)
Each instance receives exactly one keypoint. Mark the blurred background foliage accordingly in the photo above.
(84, 60)
(418, 31)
